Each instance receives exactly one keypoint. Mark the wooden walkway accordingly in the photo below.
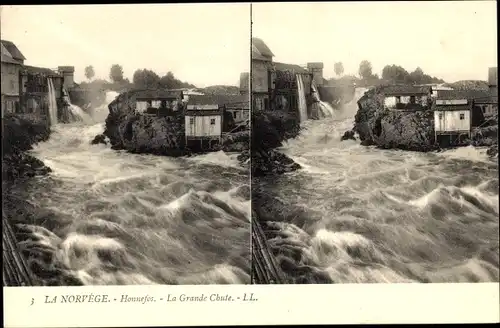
(265, 269)
(15, 269)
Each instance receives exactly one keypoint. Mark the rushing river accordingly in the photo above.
(122, 218)
(362, 215)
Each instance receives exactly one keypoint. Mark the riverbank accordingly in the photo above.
(270, 130)
(18, 170)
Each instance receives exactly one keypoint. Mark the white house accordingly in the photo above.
(404, 97)
(157, 102)
(452, 118)
(203, 124)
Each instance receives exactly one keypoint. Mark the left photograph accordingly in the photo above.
(125, 138)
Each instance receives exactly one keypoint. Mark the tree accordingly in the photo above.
(169, 81)
(339, 68)
(145, 79)
(116, 73)
(395, 74)
(418, 76)
(89, 72)
(365, 70)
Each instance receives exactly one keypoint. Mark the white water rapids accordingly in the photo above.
(118, 218)
(357, 214)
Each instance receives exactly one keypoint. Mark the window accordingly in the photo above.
(440, 116)
(191, 120)
(462, 116)
(212, 121)
(234, 114)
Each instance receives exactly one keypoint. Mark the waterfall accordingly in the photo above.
(52, 102)
(325, 108)
(79, 114)
(76, 113)
(302, 99)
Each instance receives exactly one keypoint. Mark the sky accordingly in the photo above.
(453, 40)
(203, 44)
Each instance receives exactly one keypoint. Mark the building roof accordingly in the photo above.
(260, 48)
(463, 94)
(7, 58)
(67, 69)
(156, 94)
(405, 90)
(15, 53)
(10, 60)
(219, 100)
(39, 70)
(486, 100)
(315, 65)
(290, 67)
(447, 107)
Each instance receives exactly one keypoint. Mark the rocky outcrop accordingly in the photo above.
(384, 128)
(141, 133)
(236, 142)
(271, 162)
(487, 136)
(99, 139)
(269, 130)
(18, 136)
(408, 130)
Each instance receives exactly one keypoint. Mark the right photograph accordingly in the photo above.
(374, 147)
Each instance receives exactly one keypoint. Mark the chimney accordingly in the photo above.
(317, 71)
(244, 82)
(68, 73)
(492, 76)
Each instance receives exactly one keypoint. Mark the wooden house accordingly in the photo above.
(262, 58)
(12, 62)
(203, 117)
(407, 97)
(165, 103)
(482, 100)
(283, 85)
(238, 107)
(35, 88)
(452, 119)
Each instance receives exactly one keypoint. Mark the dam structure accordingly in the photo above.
(32, 92)
(290, 88)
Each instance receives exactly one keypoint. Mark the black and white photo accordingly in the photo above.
(374, 142)
(123, 145)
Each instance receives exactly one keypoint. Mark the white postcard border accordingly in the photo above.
(264, 304)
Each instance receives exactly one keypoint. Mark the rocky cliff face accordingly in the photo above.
(139, 133)
(269, 130)
(18, 136)
(408, 130)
